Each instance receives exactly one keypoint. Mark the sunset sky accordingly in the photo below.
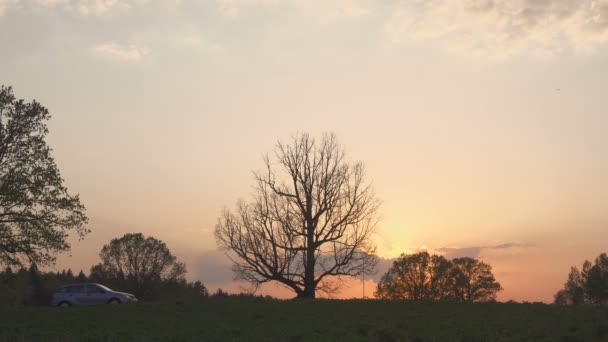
(482, 123)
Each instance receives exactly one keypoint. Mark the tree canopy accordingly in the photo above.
(587, 286)
(432, 277)
(309, 222)
(36, 210)
(138, 263)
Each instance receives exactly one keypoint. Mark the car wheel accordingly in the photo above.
(114, 301)
(64, 305)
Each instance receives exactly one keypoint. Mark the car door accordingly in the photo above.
(77, 294)
(95, 294)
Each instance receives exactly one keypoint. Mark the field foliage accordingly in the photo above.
(259, 319)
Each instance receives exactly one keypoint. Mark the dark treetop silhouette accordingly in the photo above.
(138, 263)
(309, 221)
(587, 286)
(36, 210)
(424, 276)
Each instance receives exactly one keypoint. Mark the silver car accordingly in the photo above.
(89, 294)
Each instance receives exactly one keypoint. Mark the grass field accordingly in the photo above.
(235, 319)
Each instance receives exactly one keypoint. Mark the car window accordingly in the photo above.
(94, 289)
(104, 287)
(76, 289)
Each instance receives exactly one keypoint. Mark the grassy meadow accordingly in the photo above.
(237, 319)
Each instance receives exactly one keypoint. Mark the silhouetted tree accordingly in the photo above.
(198, 289)
(138, 263)
(70, 276)
(310, 219)
(36, 210)
(416, 276)
(574, 291)
(220, 294)
(39, 295)
(588, 286)
(424, 276)
(81, 278)
(596, 280)
(473, 280)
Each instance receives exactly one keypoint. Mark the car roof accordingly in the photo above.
(79, 284)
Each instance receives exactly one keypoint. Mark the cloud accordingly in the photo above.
(324, 10)
(5, 4)
(502, 28)
(94, 7)
(476, 251)
(214, 267)
(79, 7)
(192, 40)
(132, 53)
(451, 252)
(233, 8)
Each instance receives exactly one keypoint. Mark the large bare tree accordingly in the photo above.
(309, 222)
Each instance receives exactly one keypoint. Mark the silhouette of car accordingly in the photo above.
(89, 294)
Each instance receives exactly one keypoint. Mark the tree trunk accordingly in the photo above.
(309, 272)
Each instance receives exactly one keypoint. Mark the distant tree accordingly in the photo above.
(310, 220)
(198, 289)
(596, 280)
(138, 263)
(416, 276)
(574, 289)
(81, 278)
(561, 298)
(36, 210)
(588, 286)
(70, 276)
(38, 296)
(220, 294)
(473, 280)
(424, 276)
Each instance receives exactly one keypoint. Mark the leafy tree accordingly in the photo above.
(36, 210)
(588, 286)
(138, 263)
(596, 284)
(416, 276)
(473, 280)
(198, 289)
(81, 278)
(39, 295)
(309, 222)
(424, 276)
(574, 289)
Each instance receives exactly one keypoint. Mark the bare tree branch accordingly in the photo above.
(311, 219)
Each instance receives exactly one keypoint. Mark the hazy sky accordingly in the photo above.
(482, 124)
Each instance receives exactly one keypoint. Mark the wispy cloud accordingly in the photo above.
(233, 8)
(192, 40)
(132, 52)
(501, 28)
(322, 9)
(449, 253)
(5, 4)
(79, 7)
(96, 7)
(476, 251)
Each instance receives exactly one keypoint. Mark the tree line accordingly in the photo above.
(589, 285)
(133, 263)
(308, 224)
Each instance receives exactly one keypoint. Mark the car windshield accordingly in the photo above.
(104, 287)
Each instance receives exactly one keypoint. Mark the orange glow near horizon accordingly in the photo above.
(474, 143)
